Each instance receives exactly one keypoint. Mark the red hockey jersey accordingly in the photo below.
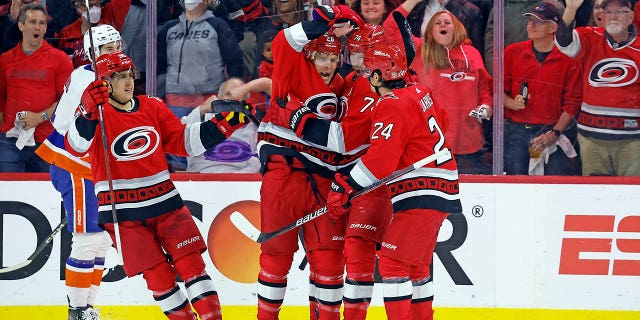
(408, 125)
(611, 85)
(137, 143)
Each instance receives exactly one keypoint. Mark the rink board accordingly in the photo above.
(522, 250)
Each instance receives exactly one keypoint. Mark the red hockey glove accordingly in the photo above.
(97, 93)
(229, 122)
(338, 199)
(337, 14)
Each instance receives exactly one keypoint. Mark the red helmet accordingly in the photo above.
(389, 59)
(326, 43)
(365, 38)
(110, 63)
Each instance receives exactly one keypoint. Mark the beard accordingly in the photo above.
(613, 28)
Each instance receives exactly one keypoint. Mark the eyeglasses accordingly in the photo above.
(616, 13)
(536, 22)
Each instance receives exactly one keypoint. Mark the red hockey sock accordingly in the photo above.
(272, 284)
(200, 288)
(327, 269)
(360, 258)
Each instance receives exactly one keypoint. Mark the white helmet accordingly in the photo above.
(102, 34)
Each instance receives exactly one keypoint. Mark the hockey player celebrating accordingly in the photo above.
(408, 125)
(151, 216)
(372, 212)
(71, 176)
(304, 87)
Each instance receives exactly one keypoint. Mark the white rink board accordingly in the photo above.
(511, 252)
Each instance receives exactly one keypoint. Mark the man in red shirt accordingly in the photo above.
(32, 78)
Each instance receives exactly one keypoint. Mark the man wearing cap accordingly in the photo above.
(538, 118)
(609, 121)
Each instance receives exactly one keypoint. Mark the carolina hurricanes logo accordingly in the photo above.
(135, 143)
(324, 105)
(613, 72)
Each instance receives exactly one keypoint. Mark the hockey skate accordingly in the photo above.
(84, 313)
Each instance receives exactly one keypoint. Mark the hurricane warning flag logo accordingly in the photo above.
(613, 72)
(135, 143)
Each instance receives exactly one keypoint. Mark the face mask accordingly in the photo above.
(94, 14)
(190, 6)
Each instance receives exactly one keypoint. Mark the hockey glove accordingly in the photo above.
(481, 112)
(226, 105)
(298, 119)
(338, 199)
(337, 14)
(229, 122)
(97, 93)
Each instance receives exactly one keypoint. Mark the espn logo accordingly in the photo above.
(601, 245)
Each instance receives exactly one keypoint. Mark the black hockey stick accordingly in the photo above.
(249, 230)
(39, 249)
(225, 105)
(105, 150)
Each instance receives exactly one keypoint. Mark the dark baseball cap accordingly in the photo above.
(622, 3)
(546, 11)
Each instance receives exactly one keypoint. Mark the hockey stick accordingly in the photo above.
(249, 230)
(39, 249)
(105, 150)
(218, 106)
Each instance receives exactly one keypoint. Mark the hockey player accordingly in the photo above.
(408, 125)
(151, 216)
(71, 176)
(368, 221)
(304, 87)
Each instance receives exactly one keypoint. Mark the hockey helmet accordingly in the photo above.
(365, 38)
(390, 60)
(326, 43)
(110, 63)
(102, 34)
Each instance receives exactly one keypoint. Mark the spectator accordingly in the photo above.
(237, 154)
(515, 30)
(538, 119)
(195, 54)
(468, 13)
(247, 19)
(265, 69)
(134, 33)
(596, 15)
(609, 120)
(374, 11)
(447, 63)
(10, 34)
(32, 78)
(71, 37)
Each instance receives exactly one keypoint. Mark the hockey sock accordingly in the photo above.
(272, 284)
(422, 301)
(200, 288)
(96, 279)
(174, 304)
(204, 297)
(327, 269)
(78, 275)
(161, 281)
(397, 288)
(360, 257)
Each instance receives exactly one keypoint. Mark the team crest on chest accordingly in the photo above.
(135, 143)
(613, 72)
